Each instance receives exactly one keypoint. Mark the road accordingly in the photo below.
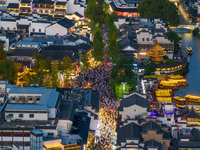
(184, 18)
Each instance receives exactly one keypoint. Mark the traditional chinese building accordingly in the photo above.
(156, 53)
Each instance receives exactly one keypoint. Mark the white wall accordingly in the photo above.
(72, 8)
(37, 116)
(16, 138)
(64, 127)
(132, 111)
(6, 44)
(56, 29)
(38, 25)
(162, 39)
(11, 1)
(6, 24)
(120, 22)
(144, 35)
(46, 131)
(24, 21)
(23, 94)
(52, 112)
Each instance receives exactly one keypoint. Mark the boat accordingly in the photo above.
(188, 50)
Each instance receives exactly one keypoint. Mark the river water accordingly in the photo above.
(193, 76)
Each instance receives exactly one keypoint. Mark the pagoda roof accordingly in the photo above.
(192, 114)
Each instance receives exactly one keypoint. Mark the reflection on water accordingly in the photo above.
(193, 77)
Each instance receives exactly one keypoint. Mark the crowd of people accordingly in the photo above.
(99, 80)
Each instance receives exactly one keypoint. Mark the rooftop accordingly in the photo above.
(26, 107)
(48, 97)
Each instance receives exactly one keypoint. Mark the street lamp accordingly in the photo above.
(124, 84)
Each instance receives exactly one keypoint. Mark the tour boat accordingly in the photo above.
(188, 50)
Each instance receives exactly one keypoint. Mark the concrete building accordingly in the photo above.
(32, 103)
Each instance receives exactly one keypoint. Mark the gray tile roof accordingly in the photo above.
(128, 132)
(152, 144)
(134, 99)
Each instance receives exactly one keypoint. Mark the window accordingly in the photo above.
(142, 39)
(39, 30)
(21, 115)
(46, 11)
(31, 115)
(8, 28)
(147, 39)
(33, 30)
(14, 28)
(10, 115)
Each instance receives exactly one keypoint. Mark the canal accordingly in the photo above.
(193, 77)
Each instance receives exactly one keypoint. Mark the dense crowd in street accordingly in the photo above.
(99, 80)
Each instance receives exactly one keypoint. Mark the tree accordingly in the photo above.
(67, 68)
(3, 54)
(151, 67)
(110, 19)
(84, 60)
(122, 72)
(48, 64)
(174, 36)
(39, 68)
(159, 8)
(54, 75)
(95, 11)
(113, 46)
(98, 46)
(8, 71)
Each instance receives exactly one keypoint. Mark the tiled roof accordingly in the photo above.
(134, 99)
(13, 5)
(128, 132)
(152, 144)
(24, 52)
(60, 3)
(67, 23)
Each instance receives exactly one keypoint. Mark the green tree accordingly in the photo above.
(113, 46)
(159, 8)
(8, 71)
(85, 62)
(48, 64)
(174, 36)
(151, 67)
(39, 68)
(98, 46)
(54, 75)
(122, 72)
(67, 67)
(95, 11)
(3, 54)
